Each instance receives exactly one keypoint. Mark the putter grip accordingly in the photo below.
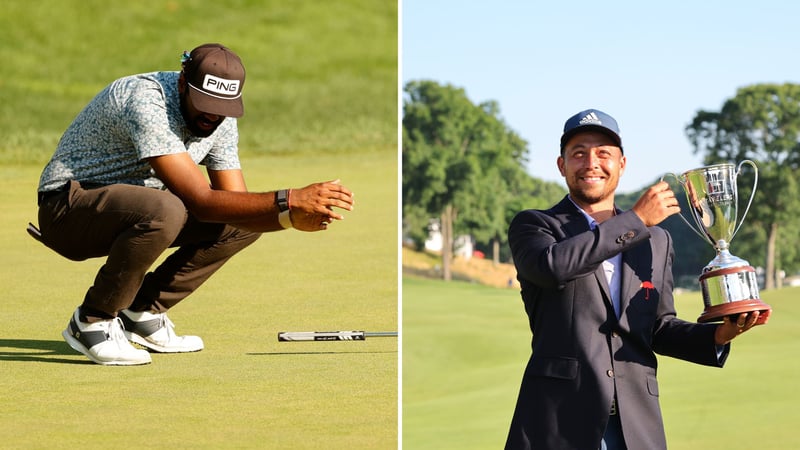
(290, 336)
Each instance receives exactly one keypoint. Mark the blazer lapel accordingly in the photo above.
(600, 274)
(575, 223)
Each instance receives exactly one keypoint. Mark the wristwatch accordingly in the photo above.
(282, 199)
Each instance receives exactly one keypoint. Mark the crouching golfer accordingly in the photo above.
(124, 183)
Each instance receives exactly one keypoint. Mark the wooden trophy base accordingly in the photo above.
(717, 312)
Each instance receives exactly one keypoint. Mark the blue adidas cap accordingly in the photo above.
(591, 119)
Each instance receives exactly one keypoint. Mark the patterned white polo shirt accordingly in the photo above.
(132, 119)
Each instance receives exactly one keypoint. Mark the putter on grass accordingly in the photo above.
(289, 336)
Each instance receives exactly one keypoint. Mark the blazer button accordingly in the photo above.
(624, 237)
(610, 373)
(614, 334)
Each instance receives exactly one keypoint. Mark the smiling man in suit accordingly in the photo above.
(597, 287)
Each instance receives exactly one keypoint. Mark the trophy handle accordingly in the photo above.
(680, 214)
(752, 193)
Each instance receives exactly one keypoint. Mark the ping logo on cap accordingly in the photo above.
(220, 85)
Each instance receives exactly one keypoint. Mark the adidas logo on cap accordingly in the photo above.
(590, 119)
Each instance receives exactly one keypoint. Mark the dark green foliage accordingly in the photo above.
(463, 155)
(760, 123)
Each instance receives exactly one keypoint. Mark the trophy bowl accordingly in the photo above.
(728, 283)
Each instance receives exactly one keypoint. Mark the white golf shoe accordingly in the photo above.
(103, 342)
(156, 332)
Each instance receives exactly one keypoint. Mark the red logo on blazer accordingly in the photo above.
(646, 285)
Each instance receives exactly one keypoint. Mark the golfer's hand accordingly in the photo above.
(312, 207)
(656, 204)
(732, 327)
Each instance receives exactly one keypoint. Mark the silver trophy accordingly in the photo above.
(728, 282)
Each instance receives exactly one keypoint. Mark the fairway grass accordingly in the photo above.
(465, 347)
(245, 389)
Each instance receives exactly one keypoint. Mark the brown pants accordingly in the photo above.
(133, 226)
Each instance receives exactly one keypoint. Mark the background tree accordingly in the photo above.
(761, 123)
(500, 179)
(458, 157)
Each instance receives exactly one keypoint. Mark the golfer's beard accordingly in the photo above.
(585, 198)
(199, 132)
(591, 197)
(191, 122)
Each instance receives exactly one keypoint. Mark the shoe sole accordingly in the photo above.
(136, 339)
(77, 346)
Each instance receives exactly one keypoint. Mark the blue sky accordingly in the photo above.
(651, 65)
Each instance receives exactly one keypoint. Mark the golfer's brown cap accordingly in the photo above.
(216, 77)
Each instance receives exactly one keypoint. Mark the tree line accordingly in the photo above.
(465, 167)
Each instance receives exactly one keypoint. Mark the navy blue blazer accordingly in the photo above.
(581, 353)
